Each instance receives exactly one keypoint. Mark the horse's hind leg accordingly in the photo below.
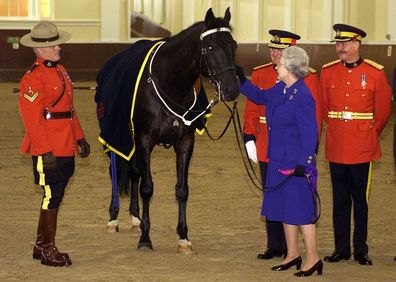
(112, 225)
(184, 152)
(134, 203)
(123, 175)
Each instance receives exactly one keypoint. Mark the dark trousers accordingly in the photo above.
(351, 184)
(53, 181)
(275, 235)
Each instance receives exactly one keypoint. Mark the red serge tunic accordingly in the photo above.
(362, 94)
(40, 87)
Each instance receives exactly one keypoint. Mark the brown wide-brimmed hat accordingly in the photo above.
(44, 34)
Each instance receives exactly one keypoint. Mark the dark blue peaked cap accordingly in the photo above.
(282, 39)
(346, 32)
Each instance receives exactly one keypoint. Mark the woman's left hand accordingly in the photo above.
(299, 171)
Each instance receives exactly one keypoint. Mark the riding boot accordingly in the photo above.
(50, 255)
(38, 246)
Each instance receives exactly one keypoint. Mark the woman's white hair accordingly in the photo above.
(296, 61)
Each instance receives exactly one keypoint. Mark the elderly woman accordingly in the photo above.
(293, 135)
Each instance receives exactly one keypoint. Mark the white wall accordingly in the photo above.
(104, 20)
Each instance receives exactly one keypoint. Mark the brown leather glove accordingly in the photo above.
(85, 149)
(49, 161)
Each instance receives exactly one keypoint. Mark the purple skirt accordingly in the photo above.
(288, 199)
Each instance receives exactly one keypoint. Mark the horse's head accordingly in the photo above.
(218, 51)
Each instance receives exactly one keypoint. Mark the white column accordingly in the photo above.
(189, 11)
(338, 11)
(109, 20)
(391, 29)
(327, 16)
(289, 16)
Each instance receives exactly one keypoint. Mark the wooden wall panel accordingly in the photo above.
(83, 60)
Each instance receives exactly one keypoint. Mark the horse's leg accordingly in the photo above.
(184, 150)
(112, 225)
(134, 203)
(146, 192)
(123, 174)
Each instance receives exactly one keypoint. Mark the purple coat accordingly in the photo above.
(292, 139)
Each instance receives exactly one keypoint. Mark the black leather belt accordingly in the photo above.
(57, 115)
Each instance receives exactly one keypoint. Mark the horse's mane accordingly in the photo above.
(197, 27)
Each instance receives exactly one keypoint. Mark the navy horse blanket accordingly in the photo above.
(117, 82)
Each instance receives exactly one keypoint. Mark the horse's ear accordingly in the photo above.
(227, 15)
(209, 15)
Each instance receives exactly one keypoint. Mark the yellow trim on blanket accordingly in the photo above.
(110, 148)
(202, 131)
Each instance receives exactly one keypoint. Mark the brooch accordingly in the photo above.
(363, 82)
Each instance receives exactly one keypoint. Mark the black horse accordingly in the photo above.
(161, 107)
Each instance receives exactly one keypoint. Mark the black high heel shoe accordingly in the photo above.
(316, 267)
(297, 262)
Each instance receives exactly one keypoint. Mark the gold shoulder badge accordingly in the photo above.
(30, 95)
(262, 66)
(331, 63)
(32, 67)
(374, 64)
(312, 70)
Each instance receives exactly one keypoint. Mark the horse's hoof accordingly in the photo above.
(112, 226)
(135, 223)
(145, 247)
(185, 247)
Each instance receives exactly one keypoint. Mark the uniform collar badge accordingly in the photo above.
(50, 64)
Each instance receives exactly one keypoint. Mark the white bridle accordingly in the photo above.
(214, 30)
(182, 117)
(211, 103)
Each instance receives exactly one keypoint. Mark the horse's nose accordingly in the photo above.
(231, 92)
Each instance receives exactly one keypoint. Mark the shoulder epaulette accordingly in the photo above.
(331, 63)
(262, 66)
(32, 68)
(312, 70)
(374, 64)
